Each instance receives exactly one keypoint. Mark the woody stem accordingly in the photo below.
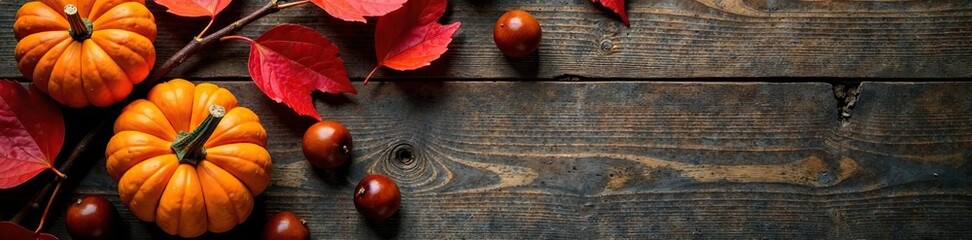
(80, 28)
(190, 147)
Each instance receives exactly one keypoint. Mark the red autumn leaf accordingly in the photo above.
(290, 61)
(617, 6)
(411, 37)
(194, 8)
(12, 231)
(356, 10)
(31, 133)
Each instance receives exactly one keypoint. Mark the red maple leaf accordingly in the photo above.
(31, 133)
(617, 6)
(12, 231)
(356, 10)
(290, 61)
(411, 37)
(194, 8)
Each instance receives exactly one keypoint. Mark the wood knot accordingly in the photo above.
(411, 168)
(606, 46)
(404, 154)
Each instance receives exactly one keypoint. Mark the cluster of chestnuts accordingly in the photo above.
(326, 145)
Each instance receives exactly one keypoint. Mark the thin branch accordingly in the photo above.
(193, 47)
(49, 202)
(291, 4)
(75, 153)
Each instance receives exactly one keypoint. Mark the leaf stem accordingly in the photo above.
(235, 37)
(210, 24)
(59, 173)
(49, 202)
(371, 73)
(291, 4)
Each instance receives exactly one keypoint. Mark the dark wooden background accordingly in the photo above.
(705, 119)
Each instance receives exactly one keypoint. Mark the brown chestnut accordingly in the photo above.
(285, 226)
(327, 144)
(377, 197)
(91, 217)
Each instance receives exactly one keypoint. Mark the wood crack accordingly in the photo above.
(846, 94)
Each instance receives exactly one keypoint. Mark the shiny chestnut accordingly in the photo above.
(327, 144)
(91, 217)
(517, 34)
(285, 226)
(377, 197)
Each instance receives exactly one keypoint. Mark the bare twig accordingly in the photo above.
(198, 43)
(49, 202)
(75, 153)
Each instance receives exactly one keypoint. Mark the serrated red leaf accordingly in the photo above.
(290, 61)
(356, 10)
(617, 6)
(31, 133)
(12, 231)
(411, 37)
(194, 8)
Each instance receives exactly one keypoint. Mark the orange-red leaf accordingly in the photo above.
(290, 61)
(31, 133)
(12, 231)
(356, 10)
(194, 8)
(411, 37)
(617, 6)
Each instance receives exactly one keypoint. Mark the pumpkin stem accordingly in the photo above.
(190, 147)
(80, 28)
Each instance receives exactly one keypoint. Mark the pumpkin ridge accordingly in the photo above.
(158, 179)
(66, 77)
(119, 151)
(219, 141)
(115, 68)
(92, 14)
(100, 41)
(210, 173)
(225, 161)
(244, 123)
(139, 22)
(32, 19)
(94, 78)
(38, 76)
(187, 197)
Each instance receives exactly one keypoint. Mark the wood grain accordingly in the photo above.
(578, 160)
(667, 39)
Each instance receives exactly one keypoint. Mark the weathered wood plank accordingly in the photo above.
(626, 159)
(667, 39)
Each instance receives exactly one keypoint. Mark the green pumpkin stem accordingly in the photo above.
(80, 28)
(190, 147)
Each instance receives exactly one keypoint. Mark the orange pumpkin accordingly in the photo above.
(188, 158)
(85, 52)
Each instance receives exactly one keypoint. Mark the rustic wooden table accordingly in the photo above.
(676, 127)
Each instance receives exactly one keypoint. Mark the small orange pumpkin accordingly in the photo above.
(188, 158)
(85, 52)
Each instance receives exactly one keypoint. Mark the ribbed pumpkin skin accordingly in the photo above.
(216, 194)
(100, 70)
